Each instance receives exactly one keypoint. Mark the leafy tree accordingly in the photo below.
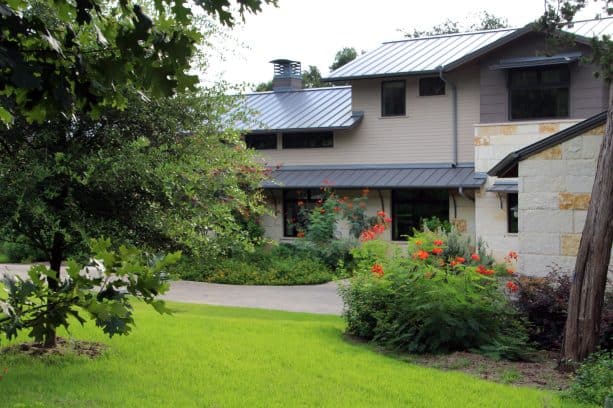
(264, 86)
(60, 56)
(311, 78)
(342, 57)
(487, 21)
(166, 174)
(581, 336)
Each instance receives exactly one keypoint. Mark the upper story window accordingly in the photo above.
(261, 141)
(307, 140)
(539, 93)
(431, 86)
(393, 98)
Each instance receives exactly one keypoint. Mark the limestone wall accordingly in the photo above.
(554, 194)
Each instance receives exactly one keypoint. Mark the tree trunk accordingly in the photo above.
(582, 330)
(55, 263)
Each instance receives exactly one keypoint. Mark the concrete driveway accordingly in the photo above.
(322, 299)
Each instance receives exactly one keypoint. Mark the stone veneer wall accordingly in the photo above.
(554, 193)
(493, 142)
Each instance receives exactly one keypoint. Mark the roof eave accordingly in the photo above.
(356, 120)
(379, 76)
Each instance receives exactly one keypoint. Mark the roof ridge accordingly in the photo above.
(323, 88)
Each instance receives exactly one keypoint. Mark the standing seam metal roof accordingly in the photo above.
(428, 54)
(317, 108)
(431, 177)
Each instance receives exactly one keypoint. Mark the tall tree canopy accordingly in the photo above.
(581, 336)
(342, 57)
(60, 56)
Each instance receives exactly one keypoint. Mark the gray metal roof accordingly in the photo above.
(390, 177)
(426, 55)
(306, 109)
(504, 186)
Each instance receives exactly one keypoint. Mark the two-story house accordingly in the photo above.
(420, 125)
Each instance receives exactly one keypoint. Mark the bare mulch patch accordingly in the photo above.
(541, 373)
(64, 347)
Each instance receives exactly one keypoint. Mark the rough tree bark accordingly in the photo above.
(589, 283)
(55, 263)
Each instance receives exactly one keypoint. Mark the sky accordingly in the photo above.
(312, 31)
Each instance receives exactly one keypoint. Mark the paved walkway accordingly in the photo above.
(321, 299)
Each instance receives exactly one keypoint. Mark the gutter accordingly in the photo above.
(454, 115)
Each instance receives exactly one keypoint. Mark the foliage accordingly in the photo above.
(487, 21)
(104, 294)
(593, 382)
(62, 57)
(430, 300)
(311, 78)
(434, 224)
(280, 265)
(343, 57)
(543, 301)
(18, 251)
(264, 86)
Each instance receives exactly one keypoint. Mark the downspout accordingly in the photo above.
(454, 115)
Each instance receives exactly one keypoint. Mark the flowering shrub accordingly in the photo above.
(433, 298)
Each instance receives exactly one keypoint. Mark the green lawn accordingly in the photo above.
(207, 356)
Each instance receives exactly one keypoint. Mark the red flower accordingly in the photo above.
(387, 220)
(484, 271)
(337, 209)
(300, 234)
(437, 251)
(475, 257)
(512, 255)
(377, 270)
(381, 214)
(512, 286)
(378, 228)
(438, 242)
(459, 259)
(367, 235)
(453, 263)
(421, 254)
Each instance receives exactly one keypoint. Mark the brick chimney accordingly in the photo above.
(287, 77)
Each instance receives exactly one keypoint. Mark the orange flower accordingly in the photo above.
(381, 214)
(475, 257)
(365, 192)
(337, 209)
(438, 242)
(512, 286)
(512, 255)
(453, 263)
(300, 203)
(459, 259)
(378, 228)
(367, 235)
(484, 271)
(377, 270)
(418, 243)
(421, 255)
(437, 251)
(300, 234)
(387, 220)
(510, 271)
(322, 211)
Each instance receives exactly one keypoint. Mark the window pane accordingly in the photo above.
(539, 93)
(431, 86)
(261, 141)
(307, 140)
(512, 219)
(393, 98)
(410, 207)
(295, 204)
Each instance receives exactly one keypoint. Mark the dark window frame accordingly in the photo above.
(564, 84)
(309, 137)
(403, 95)
(394, 215)
(309, 202)
(431, 86)
(512, 222)
(261, 135)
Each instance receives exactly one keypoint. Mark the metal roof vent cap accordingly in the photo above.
(287, 75)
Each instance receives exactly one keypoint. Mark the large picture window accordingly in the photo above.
(293, 202)
(539, 93)
(393, 98)
(306, 140)
(411, 207)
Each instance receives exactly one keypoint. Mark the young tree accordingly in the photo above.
(581, 335)
(60, 56)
